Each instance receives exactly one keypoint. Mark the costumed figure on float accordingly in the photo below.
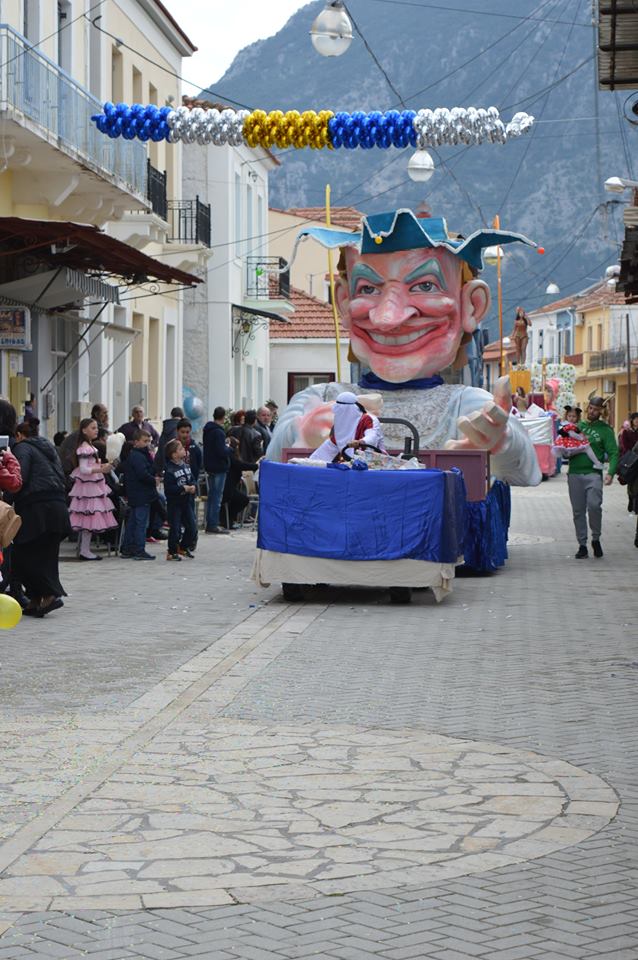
(409, 296)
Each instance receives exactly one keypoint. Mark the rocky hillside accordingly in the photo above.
(547, 186)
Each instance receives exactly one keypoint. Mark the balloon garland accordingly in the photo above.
(469, 125)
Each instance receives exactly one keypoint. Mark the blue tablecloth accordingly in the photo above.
(362, 515)
(487, 527)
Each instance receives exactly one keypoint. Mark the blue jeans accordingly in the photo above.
(181, 513)
(134, 539)
(216, 483)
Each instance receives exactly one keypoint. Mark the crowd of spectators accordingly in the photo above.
(126, 488)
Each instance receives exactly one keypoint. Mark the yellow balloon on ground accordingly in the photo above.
(10, 612)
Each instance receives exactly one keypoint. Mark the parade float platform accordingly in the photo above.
(389, 529)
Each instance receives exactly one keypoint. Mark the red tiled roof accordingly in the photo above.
(312, 318)
(492, 351)
(598, 295)
(349, 218)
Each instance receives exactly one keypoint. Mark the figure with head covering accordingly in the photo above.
(410, 299)
(353, 427)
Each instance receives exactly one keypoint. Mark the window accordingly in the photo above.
(261, 226)
(238, 213)
(299, 381)
(138, 96)
(117, 75)
(249, 219)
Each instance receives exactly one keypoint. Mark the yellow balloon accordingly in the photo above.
(10, 612)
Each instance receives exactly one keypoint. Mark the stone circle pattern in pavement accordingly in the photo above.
(214, 810)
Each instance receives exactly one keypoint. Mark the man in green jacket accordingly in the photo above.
(585, 481)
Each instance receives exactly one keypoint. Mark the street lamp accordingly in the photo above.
(552, 289)
(493, 256)
(420, 166)
(619, 184)
(331, 32)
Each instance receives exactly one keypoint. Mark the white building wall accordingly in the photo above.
(218, 366)
(303, 356)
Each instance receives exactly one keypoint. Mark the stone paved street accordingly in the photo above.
(192, 767)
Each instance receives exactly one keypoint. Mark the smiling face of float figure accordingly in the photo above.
(406, 312)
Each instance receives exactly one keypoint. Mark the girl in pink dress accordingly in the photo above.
(91, 510)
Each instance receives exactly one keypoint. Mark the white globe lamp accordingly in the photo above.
(552, 289)
(420, 166)
(331, 32)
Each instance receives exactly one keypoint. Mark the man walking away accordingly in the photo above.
(585, 481)
(216, 465)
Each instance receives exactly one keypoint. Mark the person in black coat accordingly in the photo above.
(41, 503)
(235, 497)
(216, 465)
(140, 482)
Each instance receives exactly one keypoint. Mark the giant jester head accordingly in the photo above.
(408, 293)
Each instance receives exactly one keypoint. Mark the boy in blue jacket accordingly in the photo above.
(180, 490)
(141, 490)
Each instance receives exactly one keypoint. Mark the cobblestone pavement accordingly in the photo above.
(295, 749)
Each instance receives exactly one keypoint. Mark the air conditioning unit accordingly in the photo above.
(609, 386)
(138, 394)
(579, 319)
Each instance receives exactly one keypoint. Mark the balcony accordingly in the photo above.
(264, 282)
(156, 191)
(55, 151)
(189, 222)
(610, 359)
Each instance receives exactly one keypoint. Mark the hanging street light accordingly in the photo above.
(619, 184)
(491, 255)
(331, 32)
(552, 289)
(420, 166)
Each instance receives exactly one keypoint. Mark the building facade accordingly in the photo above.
(227, 320)
(95, 335)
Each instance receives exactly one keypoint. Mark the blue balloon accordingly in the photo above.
(193, 408)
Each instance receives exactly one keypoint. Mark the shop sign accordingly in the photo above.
(15, 328)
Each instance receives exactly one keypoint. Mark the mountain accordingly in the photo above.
(547, 185)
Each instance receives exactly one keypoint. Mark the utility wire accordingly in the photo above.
(473, 11)
(533, 97)
(375, 58)
(35, 47)
(530, 139)
(476, 56)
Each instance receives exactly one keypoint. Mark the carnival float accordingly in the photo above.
(408, 292)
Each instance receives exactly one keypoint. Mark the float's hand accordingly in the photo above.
(314, 426)
(486, 429)
(503, 394)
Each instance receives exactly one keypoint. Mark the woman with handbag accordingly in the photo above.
(628, 443)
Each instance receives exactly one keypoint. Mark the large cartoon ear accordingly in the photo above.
(342, 296)
(475, 302)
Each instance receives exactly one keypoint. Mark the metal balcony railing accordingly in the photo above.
(263, 283)
(59, 110)
(189, 221)
(156, 191)
(610, 359)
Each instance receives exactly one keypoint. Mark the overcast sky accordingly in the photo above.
(220, 28)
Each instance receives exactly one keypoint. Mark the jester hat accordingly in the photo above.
(404, 230)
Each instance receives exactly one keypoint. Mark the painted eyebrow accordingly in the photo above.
(362, 270)
(429, 266)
